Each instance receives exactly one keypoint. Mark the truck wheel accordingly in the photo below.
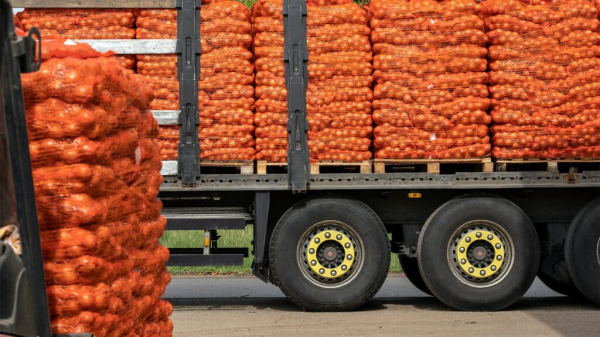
(410, 267)
(582, 251)
(478, 254)
(329, 253)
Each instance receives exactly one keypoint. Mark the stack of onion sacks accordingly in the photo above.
(80, 23)
(83, 24)
(226, 92)
(430, 76)
(96, 174)
(339, 82)
(545, 78)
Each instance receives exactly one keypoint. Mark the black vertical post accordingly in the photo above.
(188, 73)
(262, 201)
(16, 53)
(295, 56)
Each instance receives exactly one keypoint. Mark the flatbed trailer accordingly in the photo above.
(475, 240)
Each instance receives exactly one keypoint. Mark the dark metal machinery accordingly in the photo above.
(23, 301)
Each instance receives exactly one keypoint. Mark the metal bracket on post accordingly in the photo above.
(295, 57)
(188, 73)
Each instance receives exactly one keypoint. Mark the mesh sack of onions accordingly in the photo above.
(430, 94)
(226, 86)
(339, 91)
(96, 174)
(83, 24)
(80, 23)
(545, 78)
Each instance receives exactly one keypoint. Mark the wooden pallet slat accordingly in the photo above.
(246, 167)
(261, 166)
(433, 166)
(546, 164)
(363, 167)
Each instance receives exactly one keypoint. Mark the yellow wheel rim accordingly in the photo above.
(480, 253)
(330, 254)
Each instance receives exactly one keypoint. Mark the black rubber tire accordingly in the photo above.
(410, 267)
(436, 271)
(295, 284)
(581, 249)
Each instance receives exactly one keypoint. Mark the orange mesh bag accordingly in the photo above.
(160, 71)
(127, 62)
(339, 92)
(17, 22)
(544, 78)
(96, 172)
(168, 139)
(80, 23)
(431, 95)
(226, 86)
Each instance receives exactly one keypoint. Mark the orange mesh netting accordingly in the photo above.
(80, 23)
(96, 172)
(226, 86)
(431, 93)
(544, 76)
(339, 91)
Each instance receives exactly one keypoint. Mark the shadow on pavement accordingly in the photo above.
(425, 303)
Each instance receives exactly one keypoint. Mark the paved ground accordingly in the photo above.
(218, 306)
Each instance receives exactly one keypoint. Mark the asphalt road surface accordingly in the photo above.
(223, 306)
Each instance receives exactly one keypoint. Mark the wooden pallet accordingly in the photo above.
(540, 164)
(432, 165)
(245, 167)
(362, 167)
(262, 165)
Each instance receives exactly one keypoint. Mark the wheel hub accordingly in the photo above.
(330, 254)
(479, 253)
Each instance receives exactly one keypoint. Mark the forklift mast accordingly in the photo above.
(23, 301)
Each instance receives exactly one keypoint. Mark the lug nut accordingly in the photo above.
(347, 245)
(478, 234)
(462, 249)
(344, 267)
(493, 268)
(468, 239)
(339, 236)
(490, 237)
(498, 246)
(499, 257)
(482, 273)
(327, 235)
(312, 251)
(349, 257)
(463, 261)
(333, 273)
(317, 240)
(471, 270)
(313, 262)
(321, 271)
